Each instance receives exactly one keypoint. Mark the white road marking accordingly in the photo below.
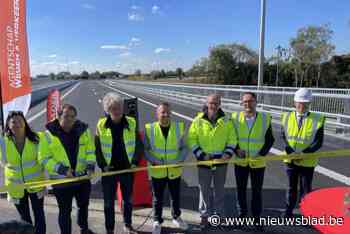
(322, 170)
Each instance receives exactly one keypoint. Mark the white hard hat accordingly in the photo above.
(303, 95)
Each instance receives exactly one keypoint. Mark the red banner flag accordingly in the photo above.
(53, 105)
(14, 61)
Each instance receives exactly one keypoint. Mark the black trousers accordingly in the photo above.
(297, 174)
(38, 210)
(64, 196)
(158, 188)
(257, 180)
(109, 185)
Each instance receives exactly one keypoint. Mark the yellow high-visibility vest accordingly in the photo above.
(106, 139)
(251, 140)
(22, 168)
(166, 150)
(52, 154)
(212, 139)
(300, 139)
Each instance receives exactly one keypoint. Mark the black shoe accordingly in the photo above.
(109, 232)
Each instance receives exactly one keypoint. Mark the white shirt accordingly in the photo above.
(250, 121)
(298, 115)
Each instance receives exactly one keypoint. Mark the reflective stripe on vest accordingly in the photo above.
(60, 154)
(260, 139)
(3, 151)
(24, 165)
(129, 137)
(220, 126)
(165, 149)
(251, 139)
(22, 168)
(301, 139)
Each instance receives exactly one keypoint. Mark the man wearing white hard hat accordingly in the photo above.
(302, 132)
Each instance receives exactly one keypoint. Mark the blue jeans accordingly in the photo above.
(38, 210)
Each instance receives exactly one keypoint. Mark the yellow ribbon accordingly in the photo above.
(270, 157)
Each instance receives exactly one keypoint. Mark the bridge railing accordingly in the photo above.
(333, 103)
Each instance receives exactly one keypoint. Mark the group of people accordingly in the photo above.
(68, 149)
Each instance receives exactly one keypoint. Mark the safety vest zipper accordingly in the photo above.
(250, 131)
(166, 158)
(299, 132)
(21, 164)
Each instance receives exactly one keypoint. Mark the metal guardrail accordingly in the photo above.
(334, 104)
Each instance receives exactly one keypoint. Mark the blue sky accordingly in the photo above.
(127, 35)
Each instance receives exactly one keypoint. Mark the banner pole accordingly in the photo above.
(1, 110)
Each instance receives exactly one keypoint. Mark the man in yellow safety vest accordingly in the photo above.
(254, 140)
(302, 132)
(67, 151)
(212, 136)
(165, 144)
(118, 147)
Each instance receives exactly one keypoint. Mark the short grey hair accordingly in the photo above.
(111, 98)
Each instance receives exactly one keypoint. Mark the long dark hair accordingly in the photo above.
(29, 133)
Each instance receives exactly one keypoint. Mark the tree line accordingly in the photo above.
(308, 61)
(84, 75)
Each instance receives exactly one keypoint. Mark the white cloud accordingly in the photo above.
(162, 50)
(52, 56)
(88, 6)
(155, 9)
(135, 8)
(126, 54)
(135, 16)
(115, 47)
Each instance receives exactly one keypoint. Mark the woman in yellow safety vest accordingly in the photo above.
(19, 157)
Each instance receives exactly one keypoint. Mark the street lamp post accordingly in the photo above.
(279, 54)
(262, 43)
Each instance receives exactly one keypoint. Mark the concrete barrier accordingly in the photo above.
(39, 95)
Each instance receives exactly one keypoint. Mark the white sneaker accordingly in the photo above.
(157, 228)
(179, 223)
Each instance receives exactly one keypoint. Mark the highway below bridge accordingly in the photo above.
(87, 97)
